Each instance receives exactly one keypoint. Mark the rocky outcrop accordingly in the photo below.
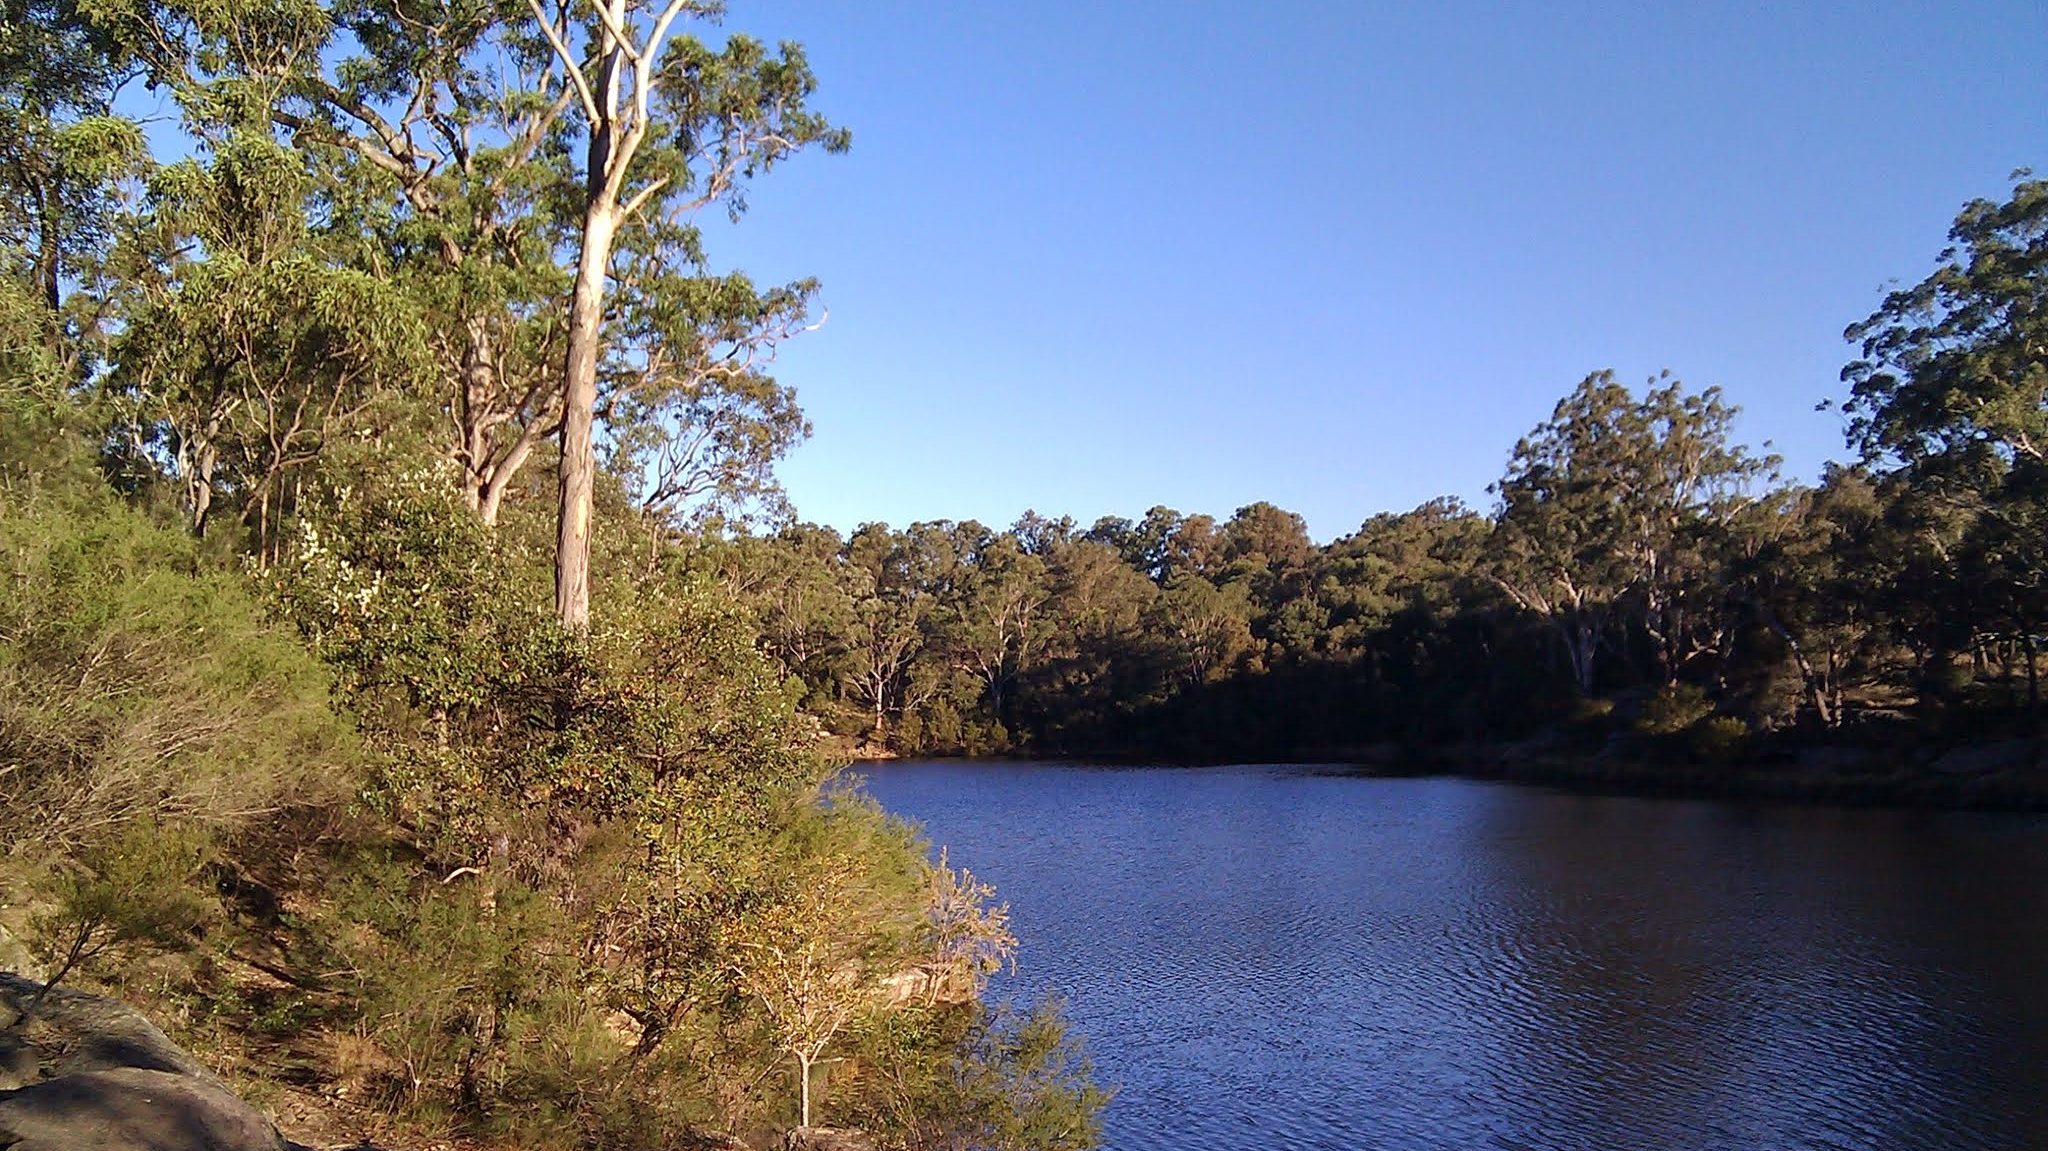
(826, 1139)
(1990, 758)
(81, 1072)
(928, 983)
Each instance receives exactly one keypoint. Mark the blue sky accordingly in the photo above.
(1088, 258)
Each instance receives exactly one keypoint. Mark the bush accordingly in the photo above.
(1720, 739)
(1676, 707)
(143, 886)
(137, 684)
(968, 1078)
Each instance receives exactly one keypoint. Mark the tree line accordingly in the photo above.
(1640, 568)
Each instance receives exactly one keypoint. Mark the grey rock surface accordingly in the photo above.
(131, 1109)
(82, 1072)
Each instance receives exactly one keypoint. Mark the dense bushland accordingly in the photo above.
(358, 712)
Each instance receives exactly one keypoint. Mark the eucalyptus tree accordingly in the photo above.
(1951, 391)
(801, 590)
(1163, 544)
(1207, 629)
(891, 609)
(669, 129)
(532, 173)
(1095, 657)
(1604, 511)
(992, 621)
(1269, 547)
(69, 163)
(579, 281)
(251, 352)
(1959, 361)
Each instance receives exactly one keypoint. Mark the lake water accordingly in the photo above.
(1293, 958)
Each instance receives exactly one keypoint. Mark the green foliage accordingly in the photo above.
(463, 992)
(241, 368)
(1954, 364)
(970, 1079)
(140, 885)
(1720, 739)
(1615, 508)
(599, 889)
(1676, 707)
(137, 683)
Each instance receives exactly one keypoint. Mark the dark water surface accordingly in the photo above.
(1288, 958)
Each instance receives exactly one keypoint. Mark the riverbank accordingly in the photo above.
(1887, 768)
(2003, 775)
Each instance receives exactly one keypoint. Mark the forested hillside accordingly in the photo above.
(359, 717)
(1640, 571)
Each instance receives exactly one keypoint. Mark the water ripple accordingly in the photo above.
(1268, 958)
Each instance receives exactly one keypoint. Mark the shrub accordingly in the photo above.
(137, 684)
(1676, 707)
(1720, 738)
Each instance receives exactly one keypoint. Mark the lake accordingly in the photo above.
(1272, 957)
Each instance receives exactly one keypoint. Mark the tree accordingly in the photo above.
(1207, 628)
(255, 350)
(669, 129)
(807, 963)
(1269, 548)
(1952, 388)
(893, 599)
(1959, 360)
(990, 620)
(1605, 504)
(66, 158)
(529, 174)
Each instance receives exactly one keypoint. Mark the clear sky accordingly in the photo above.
(1091, 257)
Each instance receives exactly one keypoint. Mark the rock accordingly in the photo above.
(931, 983)
(82, 1072)
(19, 1063)
(826, 1139)
(82, 1032)
(14, 954)
(131, 1109)
(1989, 758)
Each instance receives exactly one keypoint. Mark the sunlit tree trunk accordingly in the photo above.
(579, 400)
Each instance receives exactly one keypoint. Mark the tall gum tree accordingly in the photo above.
(1960, 360)
(545, 210)
(1951, 393)
(670, 126)
(530, 173)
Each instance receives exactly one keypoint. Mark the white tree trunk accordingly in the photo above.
(579, 400)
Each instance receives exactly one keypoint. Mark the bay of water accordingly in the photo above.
(1266, 957)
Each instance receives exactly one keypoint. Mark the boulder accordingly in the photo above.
(14, 954)
(131, 1109)
(82, 1072)
(77, 1032)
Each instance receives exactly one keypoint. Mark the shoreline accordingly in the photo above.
(2009, 775)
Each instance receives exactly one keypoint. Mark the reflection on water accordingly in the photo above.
(1279, 958)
